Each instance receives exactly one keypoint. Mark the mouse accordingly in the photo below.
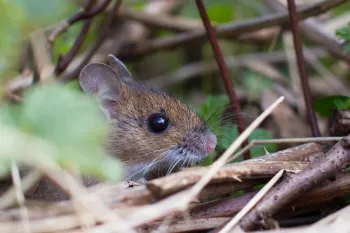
(152, 133)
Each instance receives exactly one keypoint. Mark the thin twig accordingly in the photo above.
(9, 197)
(102, 35)
(302, 69)
(87, 12)
(64, 61)
(252, 203)
(283, 140)
(291, 188)
(160, 21)
(195, 190)
(202, 67)
(232, 30)
(42, 55)
(20, 196)
(225, 75)
(317, 33)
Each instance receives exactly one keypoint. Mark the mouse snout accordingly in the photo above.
(210, 139)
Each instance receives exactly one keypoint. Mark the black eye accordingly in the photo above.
(157, 123)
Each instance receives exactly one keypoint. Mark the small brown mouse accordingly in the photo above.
(151, 133)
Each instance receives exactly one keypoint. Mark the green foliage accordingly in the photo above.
(230, 132)
(43, 12)
(344, 34)
(211, 110)
(70, 122)
(220, 13)
(325, 105)
(259, 150)
(342, 104)
(18, 18)
(11, 19)
(223, 11)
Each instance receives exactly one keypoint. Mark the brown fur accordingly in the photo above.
(131, 141)
(128, 105)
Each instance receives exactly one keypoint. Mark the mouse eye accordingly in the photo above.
(157, 123)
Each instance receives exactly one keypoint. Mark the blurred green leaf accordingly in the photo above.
(45, 12)
(342, 104)
(9, 115)
(344, 34)
(220, 13)
(230, 134)
(325, 105)
(71, 122)
(12, 18)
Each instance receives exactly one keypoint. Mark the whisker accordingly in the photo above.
(173, 166)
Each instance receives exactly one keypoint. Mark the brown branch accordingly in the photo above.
(95, 11)
(178, 24)
(42, 55)
(216, 213)
(291, 188)
(64, 61)
(228, 207)
(203, 67)
(102, 35)
(178, 181)
(87, 12)
(160, 21)
(315, 32)
(302, 69)
(231, 30)
(225, 75)
(231, 172)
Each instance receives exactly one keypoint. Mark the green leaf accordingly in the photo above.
(211, 111)
(344, 34)
(47, 11)
(342, 104)
(68, 120)
(10, 114)
(64, 116)
(325, 105)
(220, 13)
(259, 150)
(346, 46)
(231, 134)
(12, 19)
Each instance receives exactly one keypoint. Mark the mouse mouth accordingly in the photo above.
(185, 157)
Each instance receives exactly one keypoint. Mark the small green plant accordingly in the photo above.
(211, 111)
(325, 105)
(58, 123)
(344, 34)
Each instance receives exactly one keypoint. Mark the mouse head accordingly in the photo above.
(151, 131)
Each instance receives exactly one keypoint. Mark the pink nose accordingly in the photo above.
(211, 142)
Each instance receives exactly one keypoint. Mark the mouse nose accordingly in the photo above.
(211, 142)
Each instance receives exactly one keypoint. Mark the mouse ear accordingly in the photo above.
(119, 68)
(101, 80)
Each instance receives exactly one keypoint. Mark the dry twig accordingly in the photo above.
(318, 171)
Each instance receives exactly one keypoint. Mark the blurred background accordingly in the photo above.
(153, 38)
